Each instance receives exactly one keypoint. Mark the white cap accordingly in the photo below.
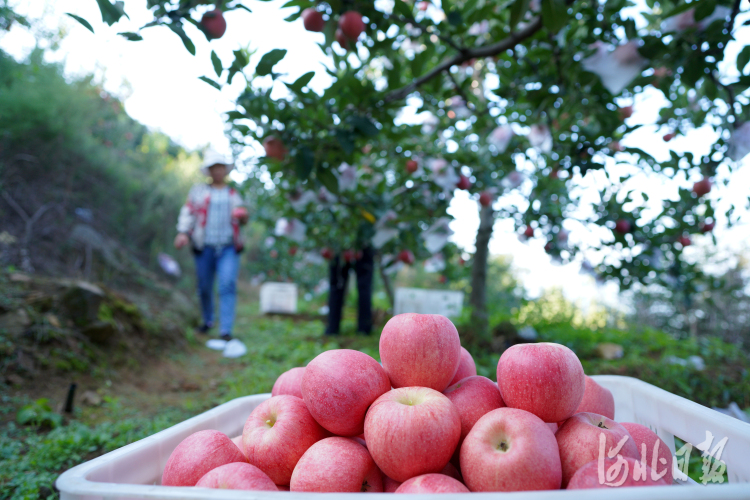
(211, 158)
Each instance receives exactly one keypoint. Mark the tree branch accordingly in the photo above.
(479, 52)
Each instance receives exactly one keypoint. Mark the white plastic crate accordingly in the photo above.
(134, 471)
(278, 298)
(422, 301)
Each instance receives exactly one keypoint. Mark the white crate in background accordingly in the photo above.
(134, 471)
(421, 301)
(278, 298)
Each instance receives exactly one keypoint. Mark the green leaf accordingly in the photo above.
(301, 81)
(345, 140)
(364, 126)
(213, 83)
(111, 12)
(402, 8)
(81, 20)
(328, 179)
(743, 58)
(703, 9)
(268, 61)
(218, 68)
(189, 45)
(235, 115)
(554, 14)
(133, 37)
(240, 6)
(304, 162)
(455, 18)
(517, 11)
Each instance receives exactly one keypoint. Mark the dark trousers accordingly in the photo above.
(339, 277)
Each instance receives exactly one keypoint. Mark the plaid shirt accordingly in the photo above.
(194, 216)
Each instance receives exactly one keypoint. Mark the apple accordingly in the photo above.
(668, 137)
(197, 454)
(411, 166)
(685, 241)
(288, 383)
(214, 24)
(463, 182)
(528, 232)
(339, 385)
(432, 483)
(510, 450)
(451, 471)
(351, 24)
(390, 485)
(277, 433)
(237, 476)
(485, 198)
(283, 488)
(420, 350)
(313, 20)
(292, 250)
(597, 399)
(616, 147)
(653, 449)
(442, 278)
(707, 227)
(406, 256)
(349, 256)
(626, 112)
(702, 187)
(274, 148)
(412, 431)
(466, 367)
(336, 465)
(622, 226)
(342, 40)
(587, 477)
(545, 379)
(578, 440)
(326, 253)
(240, 214)
(473, 397)
(237, 440)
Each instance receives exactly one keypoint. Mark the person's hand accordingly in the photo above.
(241, 215)
(181, 240)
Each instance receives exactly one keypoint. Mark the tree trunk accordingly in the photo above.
(386, 283)
(478, 296)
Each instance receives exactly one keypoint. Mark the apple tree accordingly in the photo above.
(528, 104)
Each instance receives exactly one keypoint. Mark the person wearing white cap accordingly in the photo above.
(210, 222)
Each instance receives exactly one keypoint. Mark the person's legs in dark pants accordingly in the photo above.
(364, 267)
(205, 267)
(339, 277)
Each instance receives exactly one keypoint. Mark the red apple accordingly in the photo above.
(587, 477)
(336, 465)
(339, 385)
(283, 488)
(685, 241)
(473, 397)
(326, 253)
(466, 367)
(707, 227)
(653, 449)
(274, 148)
(390, 485)
(545, 379)
(351, 24)
(214, 24)
(237, 476)
(197, 454)
(277, 433)
(411, 166)
(578, 439)
(463, 182)
(528, 232)
(668, 137)
(349, 256)
(702, 187)
(237, 440)
(313, 20)
(288, 383)
(420, 350)
(597, 399)
(626, 112)
(622, 226)
(510, 450)
(485, 198)
(432, 483)
(412, 431)
(342, 40)
(292, 250)
(406, 256)
(451, 471)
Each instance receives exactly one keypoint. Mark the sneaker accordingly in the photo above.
(234, 349)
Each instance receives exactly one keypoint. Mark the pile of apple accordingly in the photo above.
(424, 422)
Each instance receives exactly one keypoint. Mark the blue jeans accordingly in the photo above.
(224, 262)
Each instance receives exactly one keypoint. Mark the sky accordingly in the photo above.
(158, 81)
